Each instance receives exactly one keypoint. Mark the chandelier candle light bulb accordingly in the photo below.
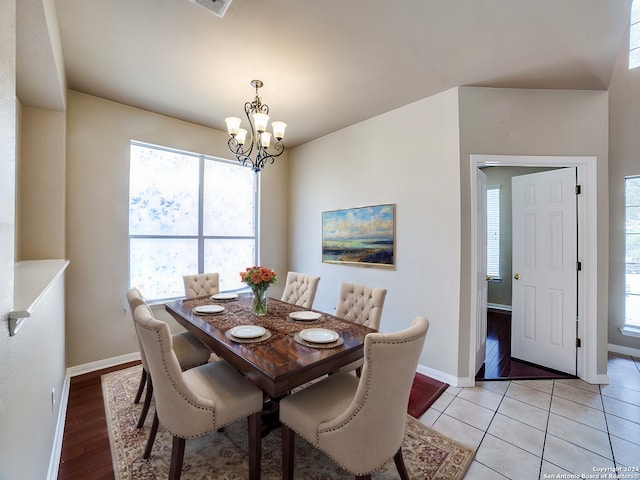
(258, 148)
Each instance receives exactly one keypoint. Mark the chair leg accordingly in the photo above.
(402, 470)
(147, 402)
(177, 456)
(152, 436)
(288, 452)
(359, 372)
(143, 381)
(255, 445)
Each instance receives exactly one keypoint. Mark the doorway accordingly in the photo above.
(587, 305)
(507, 246)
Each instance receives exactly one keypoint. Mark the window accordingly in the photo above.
(632, 252)
(493, 232)
(188, 214)
(634, 35)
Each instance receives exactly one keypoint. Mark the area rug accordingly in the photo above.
(223, 455)
(424, 391)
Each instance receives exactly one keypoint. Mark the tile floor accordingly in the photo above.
(547, 429)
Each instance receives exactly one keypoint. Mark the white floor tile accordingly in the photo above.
(521, 435)
(580, 434)
(620, 392)
(495, 386)
(545, 386)
(468, 412)
(623, 428)
(580, 413)
(625, 452)
(550, 471)
(430, 416)
(525, 413)
(572, 458)
(460, 431)
(507, 459)
(442, 402)
(621, 409)
(478, 471)
(529, 395)
(576, 382)
(578, 395)
(482, 396)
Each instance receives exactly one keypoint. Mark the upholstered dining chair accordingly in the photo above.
(360, 304)
(201, 284)
(199, 400)
(189, 351)
(300, 289)
(358, 422)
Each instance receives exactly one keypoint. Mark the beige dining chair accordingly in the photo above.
(300, 289)
(189, 351)
(360, 304)
(199, 400)
(358, 422)
(201, 284)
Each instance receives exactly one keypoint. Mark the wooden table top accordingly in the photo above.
(278, 363)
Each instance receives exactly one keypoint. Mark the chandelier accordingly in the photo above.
(261, 146)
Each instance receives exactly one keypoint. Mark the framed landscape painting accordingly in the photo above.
(362, 235)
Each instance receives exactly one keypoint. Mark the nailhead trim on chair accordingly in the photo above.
(366, 396)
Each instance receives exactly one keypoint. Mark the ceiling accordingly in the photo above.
(326, 65)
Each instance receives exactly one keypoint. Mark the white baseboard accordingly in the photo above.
(56, 449)
(100, 364)
(441, 376)
(633, 352)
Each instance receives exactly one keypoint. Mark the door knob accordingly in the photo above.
(517, 276)
(489, 278)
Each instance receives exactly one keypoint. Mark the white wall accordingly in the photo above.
(409, 157)
(99, 134)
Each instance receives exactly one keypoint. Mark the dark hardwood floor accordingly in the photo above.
(86, 453)
(498, 363)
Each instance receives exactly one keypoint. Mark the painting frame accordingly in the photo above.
(363, 236)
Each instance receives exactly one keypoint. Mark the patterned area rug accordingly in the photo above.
(223, 455)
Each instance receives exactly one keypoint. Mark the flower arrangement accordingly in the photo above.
(259, 279)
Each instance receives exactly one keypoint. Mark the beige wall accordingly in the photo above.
(624, 119)
(99, 132)
(408, 157)
(41, 189)
(536, 122)
(367, 164)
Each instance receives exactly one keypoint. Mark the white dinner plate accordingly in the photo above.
(208, 309)
(319, 335)
(224, 296)
(305, 316)
(248, 331)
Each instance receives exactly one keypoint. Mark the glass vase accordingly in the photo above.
(260, 301)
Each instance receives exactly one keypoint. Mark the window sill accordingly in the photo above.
(630, 331)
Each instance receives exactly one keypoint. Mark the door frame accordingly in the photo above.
(587, 252)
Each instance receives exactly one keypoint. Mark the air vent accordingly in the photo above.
(219, 7)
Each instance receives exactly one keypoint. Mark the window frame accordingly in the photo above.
(492, 275)
(631, 329)
(201, 238)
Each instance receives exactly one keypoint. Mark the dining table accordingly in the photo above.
(279, 351)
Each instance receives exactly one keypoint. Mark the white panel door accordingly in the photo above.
(481, 269)
(544, 313)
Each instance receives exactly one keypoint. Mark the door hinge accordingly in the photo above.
(578, 343)
(579, 266)
(578, 189)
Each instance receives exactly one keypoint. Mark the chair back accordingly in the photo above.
(372, 426)
(300, 289)
(180, 410)
(135, 299)
(201, 285)
(361, 304)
